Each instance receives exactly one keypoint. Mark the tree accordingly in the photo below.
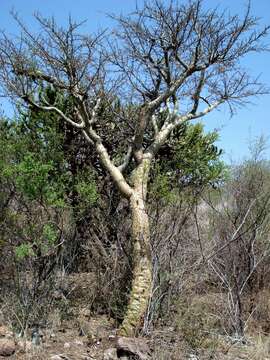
(46, 173)
(240, 233)
(40, 192)
(158, 57)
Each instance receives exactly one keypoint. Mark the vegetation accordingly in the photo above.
(103, 173)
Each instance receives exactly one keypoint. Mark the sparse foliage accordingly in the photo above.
(168, 63)
(241, 235)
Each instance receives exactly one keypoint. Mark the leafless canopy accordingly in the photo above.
(179, 58)
(163, 65)
(188, 53)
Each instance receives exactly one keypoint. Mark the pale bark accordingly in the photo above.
(159, 50)
(115, 173)
(142, 264)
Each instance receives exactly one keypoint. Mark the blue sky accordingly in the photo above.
(236, 132)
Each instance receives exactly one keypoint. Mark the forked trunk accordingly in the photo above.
(142, 264)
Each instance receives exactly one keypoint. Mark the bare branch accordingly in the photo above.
(126, 160)
(57, 111)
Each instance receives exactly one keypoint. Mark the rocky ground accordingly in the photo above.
(94, 339)
(74, 333)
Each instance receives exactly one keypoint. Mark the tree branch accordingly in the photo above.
(126, 161)
(56, 110)
(115, 173)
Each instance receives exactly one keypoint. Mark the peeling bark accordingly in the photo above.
(142, 265)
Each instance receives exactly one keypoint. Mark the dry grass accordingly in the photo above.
(261, 348)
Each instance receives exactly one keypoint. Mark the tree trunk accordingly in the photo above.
(142, 264)
(238, 316)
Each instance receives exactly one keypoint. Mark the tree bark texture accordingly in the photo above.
(142, 264)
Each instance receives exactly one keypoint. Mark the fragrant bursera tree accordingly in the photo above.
(166, 64)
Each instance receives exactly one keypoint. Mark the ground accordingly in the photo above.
(88, 342)
(73, 332)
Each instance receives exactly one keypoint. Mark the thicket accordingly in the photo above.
(59, 216)
(102, 173)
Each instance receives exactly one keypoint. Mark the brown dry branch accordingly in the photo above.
(182, 60)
